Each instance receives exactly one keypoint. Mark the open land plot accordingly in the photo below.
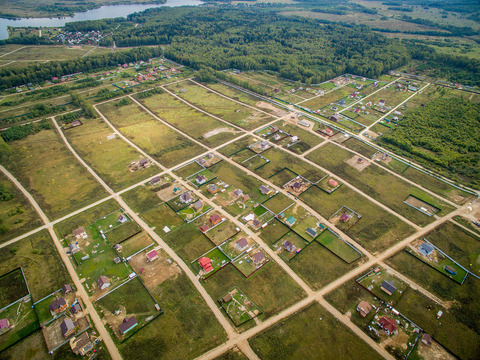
(107, 154)
(365, 117)
(23, 319)
(41, 264)
(378, 183)
(48, 52)
(297, 336)
(274, 231)
(306, 264)
(17, 215)
(233, 112)
(328, 98)
(222, 232)
(187, 119)
(271, 289)
(467, 223)
(278, 203)
(338, 246)
(53, 176)
(135, 244)
(12, 287)
(377, 229)
(303, 221)
(459, 244)
(247, 99)
(307, 140)
(167, 146)
(233, 354)
(186, 320)
(238, 145)
(188, 170)
(282, 177)
(359, 147)
(250, 159)
(132, 299)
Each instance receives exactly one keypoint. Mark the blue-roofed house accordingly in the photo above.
(426, 249)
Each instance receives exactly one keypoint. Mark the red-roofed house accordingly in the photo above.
(4, 326)
(388, 325)
(206, 264)
(152, 255)
(333, 183)
(344, 218)
(215, 219)
(203, 228)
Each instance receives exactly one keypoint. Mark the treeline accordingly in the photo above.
(35, 111)
(26, 40)
(454, 30)
(444, 133)
(37, 73)
(87, 108)
(18, 132)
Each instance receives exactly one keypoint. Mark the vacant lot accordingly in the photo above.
(297, 337)
(213, 132)
(233, 112)
(331, 97)
(107, 154)
(166, 145)
(48, 53)
(53, 176)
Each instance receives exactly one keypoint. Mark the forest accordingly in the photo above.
(443, 134)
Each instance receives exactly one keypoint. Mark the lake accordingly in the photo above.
(103, 12)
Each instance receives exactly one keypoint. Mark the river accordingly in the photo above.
(111, 11)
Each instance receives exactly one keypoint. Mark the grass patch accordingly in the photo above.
(338, 247)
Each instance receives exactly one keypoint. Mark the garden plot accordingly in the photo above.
(201, 178)
(274, 231)
(339, 246)
(52, 333)
(221, 232)
(13, 286)
(329, 184)
(236, 245)
(302, 222)
(42, 306)
(182, 201)
(210, 262)
(290, 245)
(193, 211)
(239, 307)
(383, 285)
(345, 218)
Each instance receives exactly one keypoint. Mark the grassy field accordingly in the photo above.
(12, 287)
(297, 337)
(17, 215)
(338, 247)
(467, 223)
(48, 52)
(60, 185)
(233, 112)
(328, 98)
(376, 230)
(135, 244)
(41, 264)
(108, 157)
(167, 146)
(379, 184)
(24, 319)
(185, 330)
(278, 203)
(213, 132)
(233, 354)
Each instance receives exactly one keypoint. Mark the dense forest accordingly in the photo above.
(444, 133)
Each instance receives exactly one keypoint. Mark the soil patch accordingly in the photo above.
(154, 272)
(218, 131)
(167, 193)
(354, 162)
(265, 105)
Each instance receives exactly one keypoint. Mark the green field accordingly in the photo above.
(45, 167)
(278, 203)
(297, 337)
(234, 354)
(12, 287)
(135, 244)
(24, 319)
(338, 247)
(108, 157)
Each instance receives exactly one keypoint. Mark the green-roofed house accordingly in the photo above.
(290, 221)
(177, 190)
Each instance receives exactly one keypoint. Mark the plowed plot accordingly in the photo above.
(154, 272)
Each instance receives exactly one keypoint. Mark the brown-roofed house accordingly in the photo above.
(67, 288)
(364, 308)
(212, 189)
(258, 258)
(128, 324)
(214, 219)
(76, 308)
(57, 306)
(388, 325)
(80, 233)
(241, 244)
(427, 339)
(227, 298)
(203, 228)
(81, 344)
(103, 282)
(68, 327)
(198, 205)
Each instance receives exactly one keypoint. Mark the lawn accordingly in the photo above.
(278, 203)
(188, 170)
(222, 232)
(12, 287)
(240, 308)
(46, 168)
(299, 243)
(185, 118)
(376, 231)
(378, 183)
(17, 215)
(297, 337)
(338, 246)
(166, 145)
(41, 264)
(109, 157)
(135, 244)
(228, 110)
(274, 231)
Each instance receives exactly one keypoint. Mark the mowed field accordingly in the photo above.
(166, 145)
(17, 215)
(109, 157)
(204, 128)
(228, 110)
(46, 168)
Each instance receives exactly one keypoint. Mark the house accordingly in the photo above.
(333, 183)
(122, 219)
(328, 131)
(249, 217)
(203, 228)
(76, 308)
(297, 186)
(73, 247)
(290, 221)
(238, 193)
(227, 298)
(342, 102)
(81, 344)
(214, 219)
(264, 145)
(117, 247)
(117, 260)
(294, 139)
(360, 160)
(198, 205)
(427, 339)
(68, 327)
(258, 258)
(364, 308)
(4, 326)
(241, 244)
(67, 288)
(127, 324)
(426, 249)
(388, 287)
(212, 189)
(265, 190)
(206, 264)
(256, 223)
(381, 103)
(152, 255)
(388, 325)
(186, 198)
(103, 282)
(200, 179)
(287, 245)
(344, 218)
(450, 270)
(335, 117)
(57, 306)
(155, 180)
(80, 233)
(311, 232)
(76, 123)
(143, 162)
